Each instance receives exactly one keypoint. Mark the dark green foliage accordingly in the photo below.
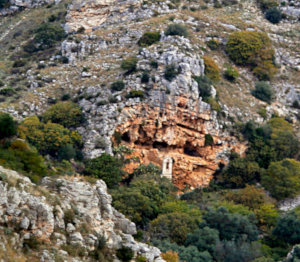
(21, 157)
(4, 3)
(105, 167)
(65, 97)
(240, 251)
(117, 86)
(171, 72)
(204, 86)
(149, 38)
(67, 114)
(8, 126)
(129, 64)
(189, 253)
(176, 29)
(153, 64)
(231, 74)
(274, 15)
(66, 153)
(145, 78)
(282, 179)
(205, 239)
(136, 93)
(8, 91)
(239, 172)
(231, 226)
(208, 140)
(213, 44)
(19, 63)
(175, 226)
(125, 254)
(288, 228)
(69, 216)
(263, 91)
(47, 35)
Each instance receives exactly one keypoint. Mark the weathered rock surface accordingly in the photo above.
(70, 206)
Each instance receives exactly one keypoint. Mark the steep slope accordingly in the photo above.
(61, 219)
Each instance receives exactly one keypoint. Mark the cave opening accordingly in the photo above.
(126, 137)
(160, 145)
(190, 150)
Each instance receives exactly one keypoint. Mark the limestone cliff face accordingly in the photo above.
(63, 212)
(177, 131)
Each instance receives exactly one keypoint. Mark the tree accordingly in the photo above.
(47, 35)
(231, 226)
(105, 167)
(239, 172)
(205, 239)
(66, 113)
(174, 226)
(8, 126)
(282, 179)
(48, 138)
(204, 86)
(288, 228)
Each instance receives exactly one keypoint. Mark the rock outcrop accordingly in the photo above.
(178, 132)
(64, 212)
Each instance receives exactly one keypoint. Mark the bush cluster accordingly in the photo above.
(149, 38)
(253, 49)
(263, 91)
(176, 29)
(231, 74)
(212, 70)
(171, 72)
(117, 86)
(129, 64)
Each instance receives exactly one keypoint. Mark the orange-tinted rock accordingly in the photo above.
(155, 134)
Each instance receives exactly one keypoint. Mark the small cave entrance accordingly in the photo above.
(190, 150)
(126, 137)
(160, 145)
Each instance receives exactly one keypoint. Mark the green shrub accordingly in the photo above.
(69, 216)
(135, 93)
(8, 126)
(231, 74)
(19, 63)
(267, 4)
(249, 48)
(145, 78)
(211, 69)
(149, 38)
(21, 157)
(208, 140)
(282, 179)
(274, 15)
(171, 72)
(263, 91)
(129, 64)
(204, 86)
(48, 138)
(8, 91)
(66, 113)
(176, 29)
(213, 44)
(125, 254)
(105, 167)
(4, 3)
(66, 152)
(47, 35)
(154, 64)
(117, 86)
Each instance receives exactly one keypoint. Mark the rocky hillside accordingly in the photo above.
(62, 219)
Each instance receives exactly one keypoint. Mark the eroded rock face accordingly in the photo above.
(91, 14)
(74, 213)
(175, 130)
